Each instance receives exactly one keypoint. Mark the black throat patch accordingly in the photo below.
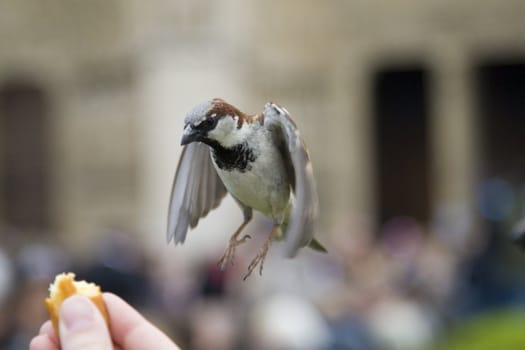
(239, 157)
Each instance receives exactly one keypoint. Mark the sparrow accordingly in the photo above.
(260, 160)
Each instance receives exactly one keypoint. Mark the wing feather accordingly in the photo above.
(191, 198)
(304, 215)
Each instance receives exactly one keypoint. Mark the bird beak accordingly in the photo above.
(189, 135)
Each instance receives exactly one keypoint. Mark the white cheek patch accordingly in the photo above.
(224, 127)
(227, 133)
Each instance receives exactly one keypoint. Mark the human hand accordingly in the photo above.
(83, 327)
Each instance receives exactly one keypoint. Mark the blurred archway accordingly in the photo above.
(400, 112)
(24, 155)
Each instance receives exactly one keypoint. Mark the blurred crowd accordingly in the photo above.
(400, 288)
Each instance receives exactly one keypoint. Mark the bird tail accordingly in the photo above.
(312, 244)
(317, 246)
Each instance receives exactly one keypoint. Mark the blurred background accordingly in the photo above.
(414, 116)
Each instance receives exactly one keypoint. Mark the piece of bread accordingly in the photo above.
(66, 286)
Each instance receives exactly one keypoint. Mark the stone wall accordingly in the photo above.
(121, 75)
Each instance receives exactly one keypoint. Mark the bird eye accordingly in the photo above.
(206, 124)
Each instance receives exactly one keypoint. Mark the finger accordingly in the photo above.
(130, 330)
(47, 329)
(42, 342)
(82, 326)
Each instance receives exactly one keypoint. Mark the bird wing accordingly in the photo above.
(196, 190)
(304, 213)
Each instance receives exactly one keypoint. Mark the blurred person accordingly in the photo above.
(421, 265)
(360, 278)
(120, 265)
(402, 241)
(213, 280)
(35, 265)
(453, 224)
(83, 327)
(27, 313)
(173, 297)
(436, 275)
(380, 277)
(6, 275)
(287, 322)
(214, 324)
(401, 323)
(403, 246)
(518, 234)
(489, 280)
(41, 262)
(6, 285)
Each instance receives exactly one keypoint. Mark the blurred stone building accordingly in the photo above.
(406, 106)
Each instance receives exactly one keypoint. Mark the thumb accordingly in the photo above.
(82, 326)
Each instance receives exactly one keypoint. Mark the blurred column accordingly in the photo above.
(188, 53)
(352, 187)
(454, 146)
(170, 83)
(2, 173)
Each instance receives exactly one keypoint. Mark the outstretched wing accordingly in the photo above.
(196, 190)
(304, 213)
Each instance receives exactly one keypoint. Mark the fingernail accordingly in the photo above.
(77, 313)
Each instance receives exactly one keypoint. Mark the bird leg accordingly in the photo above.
(229, 253)
(259, 259)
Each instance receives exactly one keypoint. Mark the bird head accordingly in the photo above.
(213, 122)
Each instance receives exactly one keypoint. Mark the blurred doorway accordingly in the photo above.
(24, 156)
(501, 107)
(400, 112)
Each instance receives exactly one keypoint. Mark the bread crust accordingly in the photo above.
(66, 286)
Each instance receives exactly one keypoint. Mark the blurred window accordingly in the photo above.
(501, 106)
(400, 112)
(24, 156)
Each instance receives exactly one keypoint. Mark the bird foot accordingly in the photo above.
(229, 253)
(258, 260)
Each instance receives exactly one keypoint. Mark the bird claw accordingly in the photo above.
(229, 254)
(244, 238)
(258, 260)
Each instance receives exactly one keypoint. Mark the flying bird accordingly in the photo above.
(260, 160)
